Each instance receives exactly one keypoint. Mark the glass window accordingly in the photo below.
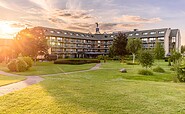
(161, 39)
(144, 40)
(153, 32)
(145, 33)
(52, 31)
(161, 32)
(173, 39)
(99, 42)
(58, 32)
(137, 34)
(130, 35)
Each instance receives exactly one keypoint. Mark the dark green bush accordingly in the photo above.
(159, 69)
(145, 72)
(21, 65)
(172, 69)
(76, 61)
(28, 60)
(12, 65)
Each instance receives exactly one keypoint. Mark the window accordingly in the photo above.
(161, 39)
(71, 34)
(144, 40)
(82, 35)
(173, 39)
(112, 36)
(153, 32)
(130, 35)
(51, 31)
(65, 32)
(152, 40)
(145, 33)
(99, 42)
(58, 32)
(137, 34)
(161, 32)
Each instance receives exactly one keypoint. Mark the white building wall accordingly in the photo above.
(166, 41)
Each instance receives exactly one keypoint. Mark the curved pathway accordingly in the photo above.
(31, 80)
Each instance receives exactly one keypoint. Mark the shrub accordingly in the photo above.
(146, 58)
(100, 57)
(21, 65)
(12, 65)
(172, 69)
(145, 72)
(76, 61)
(159, 69)
(28, 60)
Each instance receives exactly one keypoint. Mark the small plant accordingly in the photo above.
(159, 69)
(145, 72)
(21, 65)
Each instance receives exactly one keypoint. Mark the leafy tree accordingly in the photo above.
(159, 51)
(31, 42)
(111, 52)
(133, 46)
(175, 56)
(182, 48)
(146, 58)
(119, 45)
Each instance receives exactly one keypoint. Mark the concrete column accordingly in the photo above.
(166, 41)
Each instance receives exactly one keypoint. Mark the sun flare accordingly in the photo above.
(6, 29)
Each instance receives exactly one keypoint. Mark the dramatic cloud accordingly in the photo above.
(138, 19)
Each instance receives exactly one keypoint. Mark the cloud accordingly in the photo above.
(137, 19)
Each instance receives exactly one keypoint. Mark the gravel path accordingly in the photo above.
(31, 80)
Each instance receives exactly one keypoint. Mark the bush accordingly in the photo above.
(172, 69)
(159, 69)
(28, 60)
(21, 65)
(12, 65)
(100, 57)
(76, 61)
(145, 72)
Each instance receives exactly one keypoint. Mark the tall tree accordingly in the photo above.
(159, 51)
(119, 44)
(182, 48)
(31, 42)
(133, 46)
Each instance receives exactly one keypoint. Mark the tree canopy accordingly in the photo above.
(146, 58)
(133, 46)
(119, 44)
(30, 42)
(159, 51)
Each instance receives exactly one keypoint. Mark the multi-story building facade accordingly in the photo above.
(77, 45)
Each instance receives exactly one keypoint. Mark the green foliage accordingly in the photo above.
(119, 44)
(76, 61)
(21, 65)
(146, 58)
(182, 48)
(133, 46)
(175, 56)
(111, 52)
(159, 51)
(159, 69)
(12, 65)
(100, 57)
(145, 72)
(28, 60)
(30, 42)
(180, 69)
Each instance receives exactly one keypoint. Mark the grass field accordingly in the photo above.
(4, 80)
(105, 91)
(42, 68)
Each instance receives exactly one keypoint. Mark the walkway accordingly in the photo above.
(31, 80)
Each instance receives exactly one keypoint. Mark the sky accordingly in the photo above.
(81, 15)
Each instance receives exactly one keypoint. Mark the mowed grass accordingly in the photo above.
(4, 80)
(104, 91)
(42, 68)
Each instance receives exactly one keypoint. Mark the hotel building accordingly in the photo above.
(78, 45)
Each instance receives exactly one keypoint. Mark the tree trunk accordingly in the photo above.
(134, 56)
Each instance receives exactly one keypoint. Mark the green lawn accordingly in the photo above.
(42, 68)
(4, 80)
(105, 91)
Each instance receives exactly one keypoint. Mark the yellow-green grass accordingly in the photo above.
(5, 80)
(104, 91)
(42, 68)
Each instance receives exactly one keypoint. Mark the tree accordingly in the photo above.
(159, 51)
(182, 48)
(133, 46)
(31, 42)
(111, 52)
(119, 44)
(146, 58)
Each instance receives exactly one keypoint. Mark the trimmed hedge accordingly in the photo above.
(76, 61)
